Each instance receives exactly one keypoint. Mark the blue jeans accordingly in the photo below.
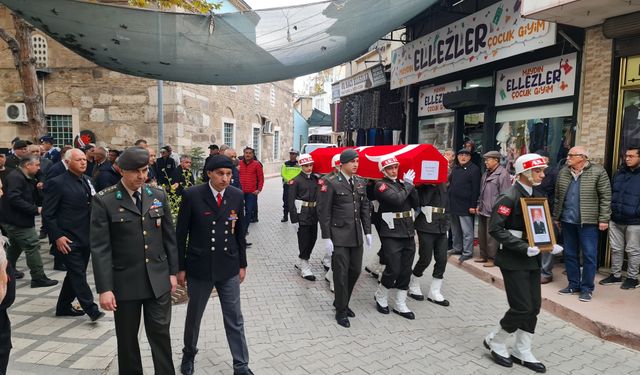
(585, 238)
(250, 204)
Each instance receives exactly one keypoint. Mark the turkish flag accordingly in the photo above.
(430, 166)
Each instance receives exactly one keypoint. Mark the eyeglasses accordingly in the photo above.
(630, 156)
(574, 155)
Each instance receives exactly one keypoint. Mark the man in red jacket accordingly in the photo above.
(252, 181)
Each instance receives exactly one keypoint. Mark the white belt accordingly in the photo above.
(376, 205)
(388, 217)
(516, 233)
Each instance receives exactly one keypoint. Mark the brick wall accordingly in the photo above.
(593, 112)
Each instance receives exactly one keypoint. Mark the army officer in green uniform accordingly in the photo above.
(135, 262)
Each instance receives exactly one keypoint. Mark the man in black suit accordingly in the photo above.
(135, 262)
(212, 253)
(19, 210)
(66, 213)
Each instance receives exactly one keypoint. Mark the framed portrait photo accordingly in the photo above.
(538, 223)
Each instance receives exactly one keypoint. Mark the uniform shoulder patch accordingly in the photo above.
(320, 181)
(291, 182)
(504, 210)
(323, 188)
(382, 187)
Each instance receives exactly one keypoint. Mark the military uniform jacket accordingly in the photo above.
(507, 215)
(133, 253)
(343, 212)
(434, 196)
(211, 239)
(304, 188)
(396, 197)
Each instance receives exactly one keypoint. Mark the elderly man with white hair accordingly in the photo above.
(582, 209)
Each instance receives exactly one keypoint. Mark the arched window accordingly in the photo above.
(40, 50)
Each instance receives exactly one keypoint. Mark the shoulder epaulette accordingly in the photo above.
(108, 190)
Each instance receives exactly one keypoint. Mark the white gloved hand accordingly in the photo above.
(328, 244)
(369, 240)
(409, 176)
(557, 249)
(533, 251)
(296, 226)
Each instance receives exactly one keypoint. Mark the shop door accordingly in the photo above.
(474, 129)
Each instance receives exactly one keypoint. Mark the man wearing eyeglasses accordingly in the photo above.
(624, 227)
(582, 209)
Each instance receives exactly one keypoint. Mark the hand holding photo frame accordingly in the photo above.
(538, 223)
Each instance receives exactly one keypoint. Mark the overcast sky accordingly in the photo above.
(263, 4)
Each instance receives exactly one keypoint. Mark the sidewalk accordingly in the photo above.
(612, 315)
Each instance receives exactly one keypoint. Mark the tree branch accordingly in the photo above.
(14, 46)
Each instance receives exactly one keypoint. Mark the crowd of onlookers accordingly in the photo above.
(583, 201)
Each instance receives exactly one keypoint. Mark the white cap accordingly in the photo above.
(305, 159)
(529, 161)
(383, 163)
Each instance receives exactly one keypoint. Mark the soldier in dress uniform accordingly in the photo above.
(432, 225)
(397, 201)
(343, 212)
(135, 262)
(213, 253)
(303, 191)
(520, 267)
(326, 260)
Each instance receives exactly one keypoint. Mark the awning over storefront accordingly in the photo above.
(581, 13)
(223, 49)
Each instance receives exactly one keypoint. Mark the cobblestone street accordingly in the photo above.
(290, 325)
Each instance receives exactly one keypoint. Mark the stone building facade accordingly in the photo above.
(118, 109)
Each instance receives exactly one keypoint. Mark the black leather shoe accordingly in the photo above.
(535, 366)
(248, 372)
(43, 283)
(97, 316)
(284, 219)
(444, 303)
(409, 315)
(502, 361)
(343, 320)
(249, 244)
(381, 310)
(417, 297)
(71, 311)
(325, 269)
(60, 267)
(186, 367)
(18, 274)
(350, 313)
(310, 277)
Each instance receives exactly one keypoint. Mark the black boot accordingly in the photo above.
(285, 217)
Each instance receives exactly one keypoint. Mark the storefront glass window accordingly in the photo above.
(525, 130)
(437, 131)
(630, 132)
(473, 124)
(479, 82)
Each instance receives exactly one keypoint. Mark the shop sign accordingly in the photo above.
(362, 81)
(494, 33)
(431, 98)
(541, 80)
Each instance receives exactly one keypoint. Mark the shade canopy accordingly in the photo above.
(219, 49)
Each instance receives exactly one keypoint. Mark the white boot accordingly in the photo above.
(434, 293)
(496, 341)
(401, 305)
(305, 270)
(329, 277)
(326, 262)
(414, 289)
(522, 354)
(382, 299)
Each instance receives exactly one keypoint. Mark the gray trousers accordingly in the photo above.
(487, 244)
(462, 232)
(548, 260)
(229, 294)
(624, 238)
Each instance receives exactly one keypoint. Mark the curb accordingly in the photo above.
(603, 330)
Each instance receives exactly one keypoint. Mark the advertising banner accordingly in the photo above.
(494, 33)
(359, 82)
(541, 80)
(431, 98)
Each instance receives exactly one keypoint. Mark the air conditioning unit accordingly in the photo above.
(15, 112)
(267, 127)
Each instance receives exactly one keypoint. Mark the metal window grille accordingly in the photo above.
(227, 134)
(273, 95)
(276, 145)
(61, 129)
(256, 141)
(256, 92)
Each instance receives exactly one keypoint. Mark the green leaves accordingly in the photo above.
(192, 6)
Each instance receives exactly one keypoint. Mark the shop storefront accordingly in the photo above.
(504, 82)
(366, 110)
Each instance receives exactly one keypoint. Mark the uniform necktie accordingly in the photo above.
(136, 195)
(219, 200)
(351, 182)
